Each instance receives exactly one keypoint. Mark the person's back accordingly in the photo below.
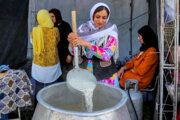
(46, 68)
(45, 38)
(49, 56)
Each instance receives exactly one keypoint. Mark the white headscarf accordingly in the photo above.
(89, 31)
(93, 10)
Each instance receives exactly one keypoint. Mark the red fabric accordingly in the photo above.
(179, 77)
(178, 114)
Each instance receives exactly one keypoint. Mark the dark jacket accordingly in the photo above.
(64, 29)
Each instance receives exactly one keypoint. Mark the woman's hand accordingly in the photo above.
(121, 72)
(81, 42)
(69, 59)
(75, 41)
(132, 70)
(71, 38)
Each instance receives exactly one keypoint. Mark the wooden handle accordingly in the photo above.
(76, 58)
(74, 26)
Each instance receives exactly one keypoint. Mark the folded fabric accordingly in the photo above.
(4, 67)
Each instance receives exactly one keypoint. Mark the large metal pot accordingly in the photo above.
(55, 102)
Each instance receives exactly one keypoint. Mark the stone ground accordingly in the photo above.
(27, 112)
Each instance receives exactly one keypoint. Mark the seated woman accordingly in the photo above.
(143, 66)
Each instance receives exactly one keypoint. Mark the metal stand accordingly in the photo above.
(168, 39)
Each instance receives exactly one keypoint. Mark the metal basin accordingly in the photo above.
(57, 102)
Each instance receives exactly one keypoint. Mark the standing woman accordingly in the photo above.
(64, 29)
(45, 37)
(144, 64)
(98, 43)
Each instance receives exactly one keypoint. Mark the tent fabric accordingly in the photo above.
(153, 14)
(13, 33)
(169, 10)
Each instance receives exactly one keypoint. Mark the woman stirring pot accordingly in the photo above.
(97, 41)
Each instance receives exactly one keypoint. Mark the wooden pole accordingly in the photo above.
(74, 26)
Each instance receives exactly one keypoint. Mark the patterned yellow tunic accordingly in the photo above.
(49, 56)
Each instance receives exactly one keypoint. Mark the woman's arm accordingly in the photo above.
(150, 59)
(130, 64)
(102, 53)
(71, 38)
(121, 71)
(77, 41)
(107, 52)
(71, 49)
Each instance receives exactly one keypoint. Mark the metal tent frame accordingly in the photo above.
(164, 31)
